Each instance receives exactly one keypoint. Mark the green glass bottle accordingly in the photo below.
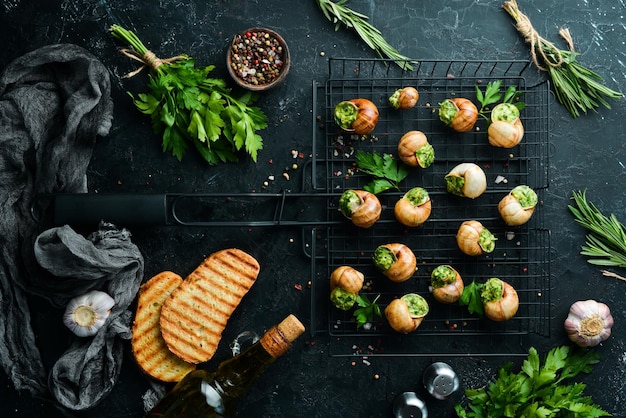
(204, 394)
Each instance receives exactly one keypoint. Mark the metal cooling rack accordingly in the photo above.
(522, 254)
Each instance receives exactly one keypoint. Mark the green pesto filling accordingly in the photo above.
(455, 184)
(383, 258)
(487, 241)
(492, 290)
(349, 202)
(417, 196)
(442, 276)
(526, 196)
(505, 112)
(345, 114)
(342, 299)
(447, 111)
(425, 156)
(416, 303)
(393, 99)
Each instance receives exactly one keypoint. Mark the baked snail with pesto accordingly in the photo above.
(396, 261)
(357, 115)
(474, 239)
(506, 129)
(518, 206)
(446, 284)
(458, 113)
(345, 284)
(500, 300)
(406, 313)
(415, 151)
(361, 207)
(404, 98)
(413, 209)
(466, 180)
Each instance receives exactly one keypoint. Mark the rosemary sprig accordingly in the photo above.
(606, 242)
(338, 13)
(577, 87)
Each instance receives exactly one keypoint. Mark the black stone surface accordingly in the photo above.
(588, 152)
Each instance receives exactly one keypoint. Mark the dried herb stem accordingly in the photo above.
(606, 242)
(338, 13)
(577, 87)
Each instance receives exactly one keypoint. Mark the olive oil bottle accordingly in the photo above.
(204, 394)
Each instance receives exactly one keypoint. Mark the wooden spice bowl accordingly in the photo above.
(258, 59)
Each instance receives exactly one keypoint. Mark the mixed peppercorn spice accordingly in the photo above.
(257, 57)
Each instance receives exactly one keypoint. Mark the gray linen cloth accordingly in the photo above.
(54, 103)
(88, 370)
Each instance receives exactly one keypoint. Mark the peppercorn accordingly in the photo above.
(257, 57)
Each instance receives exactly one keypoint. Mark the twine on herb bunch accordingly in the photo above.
(148, 59)
(549, 53)
(577, 87)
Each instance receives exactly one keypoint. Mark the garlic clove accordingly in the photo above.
(87, 313)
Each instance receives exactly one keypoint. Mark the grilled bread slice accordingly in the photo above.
(194, 316)
(149, 348)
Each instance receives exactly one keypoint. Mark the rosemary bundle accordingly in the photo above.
(339, 14)
(577, 87)
(606, 241)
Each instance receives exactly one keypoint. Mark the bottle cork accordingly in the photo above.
(277, 340)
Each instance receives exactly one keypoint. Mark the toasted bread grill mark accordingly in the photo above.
(196, 313)
(149, 348)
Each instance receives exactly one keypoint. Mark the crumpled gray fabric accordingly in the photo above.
(54, 103)
(106, 260)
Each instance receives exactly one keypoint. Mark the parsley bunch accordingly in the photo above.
(537, 390)
(191, 109)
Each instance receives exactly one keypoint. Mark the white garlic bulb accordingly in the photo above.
(86, 314)
(588, 323)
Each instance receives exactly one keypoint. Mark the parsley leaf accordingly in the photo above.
(387, 171)
(471, 298)
(367, 312)
(492, 96)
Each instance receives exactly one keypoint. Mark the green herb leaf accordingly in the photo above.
(187, 107)
(537, 390)
(492, 94)
(471, 298)
(367, 312)
(606, 242)
(387, 171)
(577, 88)
(339, 14)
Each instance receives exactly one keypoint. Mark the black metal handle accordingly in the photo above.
(121, 209)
